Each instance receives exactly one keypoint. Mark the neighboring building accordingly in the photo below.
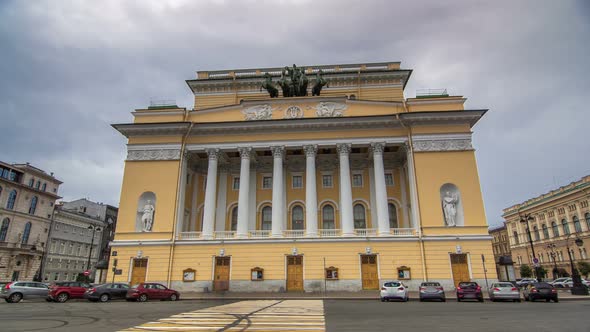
(502, 255)
(343, 190)
(557, 219)
(27, 197)
(71, 238)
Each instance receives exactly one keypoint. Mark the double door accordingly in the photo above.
(139, 271)
(295, 273)
(369, 272)
(460, 268)
(221, 274)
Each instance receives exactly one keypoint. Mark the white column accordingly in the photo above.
(413, 191)
(210, 194)
(404, 207)
(278, 153)
(242, 229)
(380, 190)
(181, 194)
(194, 215)
(346, 220)
(311, 194)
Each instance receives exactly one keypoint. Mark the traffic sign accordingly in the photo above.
(87, 273)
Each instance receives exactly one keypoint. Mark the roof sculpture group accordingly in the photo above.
(293, 83)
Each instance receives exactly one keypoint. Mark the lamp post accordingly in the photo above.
(525, 220)
(94, 229)
(578, 288)
(552, 247)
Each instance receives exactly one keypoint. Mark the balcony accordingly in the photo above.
(296, 234)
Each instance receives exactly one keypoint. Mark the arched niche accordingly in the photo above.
(452, 205)
(146, 212)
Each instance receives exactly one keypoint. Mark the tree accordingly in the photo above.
(525, 271)
(542, 273)
(584, 268)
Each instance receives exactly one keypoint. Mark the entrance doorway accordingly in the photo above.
(460, 268)
(369, 272)
(221, 281)
(295, 273)
(139, 270)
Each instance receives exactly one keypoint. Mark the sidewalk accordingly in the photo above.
(564, 295)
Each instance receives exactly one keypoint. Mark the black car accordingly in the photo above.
(540, 291)
(106, 292)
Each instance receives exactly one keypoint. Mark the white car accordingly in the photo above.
(561, 282)
(570, 283)
(394, 290)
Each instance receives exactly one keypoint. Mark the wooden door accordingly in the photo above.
(139, 271)
(369, 272)
(221, 275)
(295, 273)
(460, 268)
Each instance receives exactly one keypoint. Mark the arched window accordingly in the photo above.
(234, 219)
(515, 237)
(4, 229)
(266, 223)
(545, 232)
(536, 232)
(565, 226)
(587, 216)
(392, 215)
(297, 217)
(38, 184)
(44, 186)
(33, 206)
(358, 212)
(555, 229)
(11, 200)
(577, 225)
(31, 183)
(26, 233)
(328, 217)
(0, 191)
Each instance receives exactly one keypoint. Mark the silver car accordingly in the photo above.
(504, 291)
(14, 292)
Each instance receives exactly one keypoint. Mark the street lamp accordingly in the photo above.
(553, 254)
(94, 229)
(578, 288)
(525, 220)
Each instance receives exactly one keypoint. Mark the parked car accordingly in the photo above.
(504, 291)
(432, 291)
(151, 291)
(540, 290)
(469, 290)
(14, 292)
(106, 292)
(560, 282)
(525, 282)
(570, 283)
(394, 290)
(65, 290)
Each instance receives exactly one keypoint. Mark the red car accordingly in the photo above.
(151, 291)
(469, 290)
(63, 291)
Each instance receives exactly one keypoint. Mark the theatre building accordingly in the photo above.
(302, 179)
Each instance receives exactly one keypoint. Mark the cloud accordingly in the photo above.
(70, 68)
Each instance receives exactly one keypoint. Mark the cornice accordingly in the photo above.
(443, 117)
(147, 129)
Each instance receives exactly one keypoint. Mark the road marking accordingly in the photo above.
(263, 315)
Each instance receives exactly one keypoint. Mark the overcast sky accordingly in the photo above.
(68, 69)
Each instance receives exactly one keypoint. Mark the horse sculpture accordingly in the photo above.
(269, 86)
(319, 83)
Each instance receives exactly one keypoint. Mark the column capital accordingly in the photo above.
(278, 151)
(245, 152)
(377, 147)
(213, 154)
(343, 148)
(310, 150)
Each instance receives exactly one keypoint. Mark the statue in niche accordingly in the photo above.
(449, 202)
(147, 218)
(269, 86)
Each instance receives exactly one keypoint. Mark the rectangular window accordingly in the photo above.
(266, 182)
(327, 181)
(236, 183)
(388, 179)
(297, 181)
(357, 180)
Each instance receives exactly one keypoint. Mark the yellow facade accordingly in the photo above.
(408, 199)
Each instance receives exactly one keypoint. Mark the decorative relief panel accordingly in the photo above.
(443, 145)
(156, 154)
(330, 109)
(258, 112)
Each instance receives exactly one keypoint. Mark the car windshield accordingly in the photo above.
(467, 285)
(430, 284)
(392, 284)
(542, 285)
(503, 284)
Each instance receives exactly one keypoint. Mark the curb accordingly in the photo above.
(242, 298)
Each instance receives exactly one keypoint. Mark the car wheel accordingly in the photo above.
(556, 300)
(382, 300)
(458, 300)
(173, 297)
(406, 299)
(443, 299)
(15, 298)
(421, 300)
(519, 300)
(480, 299)
(547, 300)
(526, 298)
(62, 297)
(49, 300)
(104, 298)
(142, 298)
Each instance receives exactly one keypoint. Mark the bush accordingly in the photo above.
(584, 268)
(525, 271)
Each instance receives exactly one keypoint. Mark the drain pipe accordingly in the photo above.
(180, 182)
(417, 208)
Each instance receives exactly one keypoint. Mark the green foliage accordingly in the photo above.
(542, 273)
(525, 271)
(584, 268)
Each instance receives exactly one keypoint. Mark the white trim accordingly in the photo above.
(296, 143)
(259, 207)
(436, 137)
(357, 172)
(229, 206)
(161, 146)
(328, 201)
(367, 204)
(294, 174)
(446, 100)
(297, 201)
(151, 113)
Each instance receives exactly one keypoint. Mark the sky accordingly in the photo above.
(69, 69)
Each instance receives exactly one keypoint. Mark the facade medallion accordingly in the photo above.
(293, 112)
